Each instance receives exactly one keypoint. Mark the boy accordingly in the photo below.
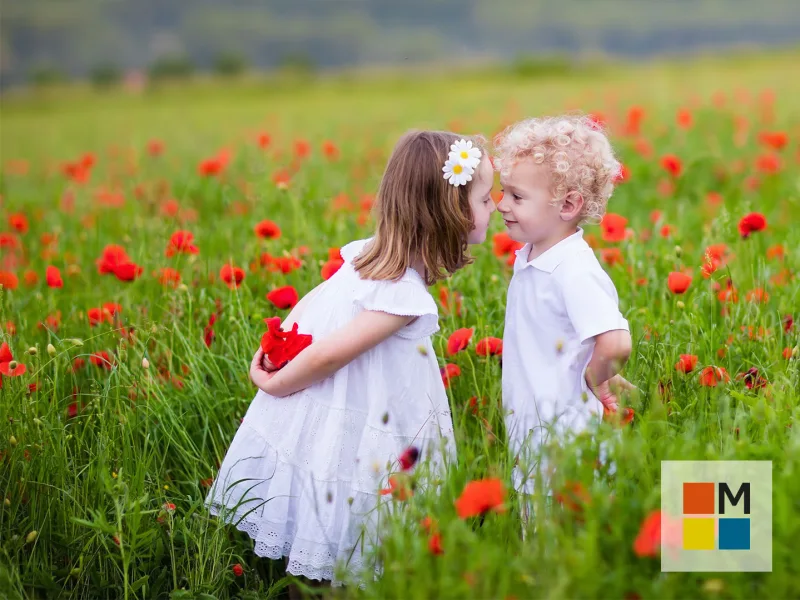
(565, 339)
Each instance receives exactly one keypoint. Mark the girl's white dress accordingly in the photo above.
(303, 473)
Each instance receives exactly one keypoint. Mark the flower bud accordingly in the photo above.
(51, 350)
(33, 351)
(31, 537)
(145, 363)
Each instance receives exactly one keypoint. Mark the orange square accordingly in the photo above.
(698, 498)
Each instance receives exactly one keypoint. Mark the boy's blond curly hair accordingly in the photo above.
(575, 150)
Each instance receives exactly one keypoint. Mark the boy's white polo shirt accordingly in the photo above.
(556, 304)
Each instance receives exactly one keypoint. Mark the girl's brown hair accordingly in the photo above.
(418, 213)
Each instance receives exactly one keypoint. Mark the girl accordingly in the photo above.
(303, 472)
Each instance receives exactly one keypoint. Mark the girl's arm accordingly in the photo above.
(323, 358)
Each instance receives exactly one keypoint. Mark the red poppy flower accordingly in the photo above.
(6, 361)
(480, 497)
(684, 118)
(776, 252)
(787, 353)
(752, 379)
(475, 405)
(31, 278)
(634, 120)
(232, 276)
(750, 223)
(773, 139)
(215, 165)
(729, 295)
(459, 340)
(503, 245)
(574, 497)
(18, 222)
(113, 256)
(615, 418)
(264, 140)
(428, 525)
(128, 271)
(53, 277)
(686, 363)
(73, 409)
(330, 268)
(101, 359)
(97, 316)
(451, 303)
(435, 544)
(623, 175)
(11, 329)
(302, 148)
(399, 488)
(711, 376)
(284, 297)
(181, 242)
(757, 295)
(268, 230)
(112, 308)
(678, 282)
(613, 226)
(788, 323)
(330, 150)
(408, 458)
(282, 346)
(770, 164)
(656, 526)
(448, 372)
(237, 569)
(8, 280)
(168, 277)
(611, 256)
(155, 147)
(672, 164)
(489, 346)
(9, 241)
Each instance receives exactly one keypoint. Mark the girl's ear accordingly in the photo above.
(572, 206)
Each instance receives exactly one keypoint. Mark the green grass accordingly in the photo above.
(142, 438)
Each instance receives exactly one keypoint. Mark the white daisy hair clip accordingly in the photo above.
(461, 162)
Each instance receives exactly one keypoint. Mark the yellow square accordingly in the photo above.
(698, 534)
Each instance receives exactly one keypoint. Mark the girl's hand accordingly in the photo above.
(608, 392)
(267, 364)
(259, 375)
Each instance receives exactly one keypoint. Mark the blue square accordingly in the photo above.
(734, 534)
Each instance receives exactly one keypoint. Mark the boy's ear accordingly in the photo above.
(572, 206)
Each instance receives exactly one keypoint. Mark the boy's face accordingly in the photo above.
(526, 206)
(480, 200)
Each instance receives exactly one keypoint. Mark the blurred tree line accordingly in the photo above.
(44, 40)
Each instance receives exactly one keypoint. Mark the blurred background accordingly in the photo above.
(113, 41)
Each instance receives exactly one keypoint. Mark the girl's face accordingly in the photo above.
(480, 200)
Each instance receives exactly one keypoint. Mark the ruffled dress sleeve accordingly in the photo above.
(405, 297)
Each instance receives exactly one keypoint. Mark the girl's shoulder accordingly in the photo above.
(350, 251)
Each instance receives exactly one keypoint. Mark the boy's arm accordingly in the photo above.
(611, 351)
(323, 358)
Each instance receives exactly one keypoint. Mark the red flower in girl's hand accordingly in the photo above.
(280, 346)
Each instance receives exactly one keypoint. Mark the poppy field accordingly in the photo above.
(145, 238)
